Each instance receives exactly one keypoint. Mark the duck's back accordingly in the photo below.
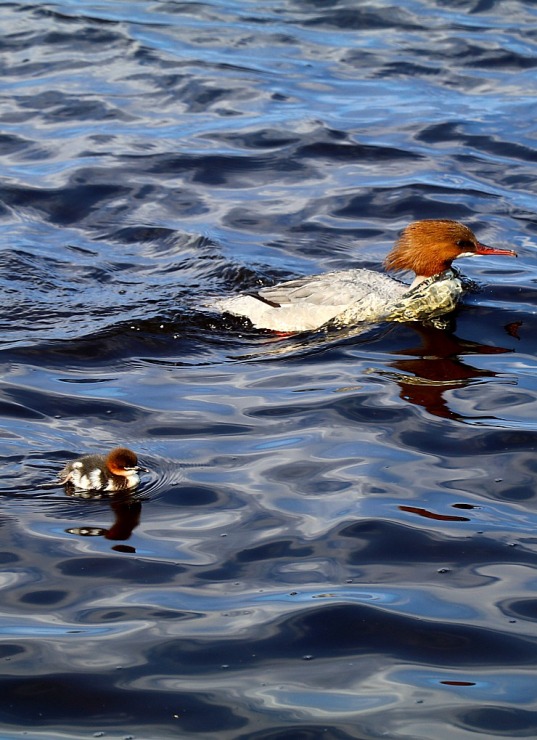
(310, 302)
(88, 472)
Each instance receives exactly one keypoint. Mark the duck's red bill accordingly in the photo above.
(483, 249)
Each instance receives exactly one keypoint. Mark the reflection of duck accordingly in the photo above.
(127, 511)
(347, 297)
(435, 367)
(117, 471)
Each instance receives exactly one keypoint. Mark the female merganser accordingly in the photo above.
(348, 297)
(117, 471)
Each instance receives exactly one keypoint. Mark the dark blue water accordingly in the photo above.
(337, 538)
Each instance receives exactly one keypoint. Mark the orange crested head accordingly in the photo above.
(429, 247)
(122, 461)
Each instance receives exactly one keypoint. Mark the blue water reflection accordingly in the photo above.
(336, 535)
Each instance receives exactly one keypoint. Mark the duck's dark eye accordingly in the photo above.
(465, 244)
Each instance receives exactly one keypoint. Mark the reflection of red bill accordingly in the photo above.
(431, 515)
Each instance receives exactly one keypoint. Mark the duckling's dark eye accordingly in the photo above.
(465, 244)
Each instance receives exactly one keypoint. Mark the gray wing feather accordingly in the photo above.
(328, 289)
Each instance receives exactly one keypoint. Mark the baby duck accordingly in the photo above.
(117, 471)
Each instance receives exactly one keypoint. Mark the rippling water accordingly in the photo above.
(337, 535)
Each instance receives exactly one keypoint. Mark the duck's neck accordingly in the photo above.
(417, 280)
(447, 273)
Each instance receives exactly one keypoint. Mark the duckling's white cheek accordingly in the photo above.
(132, 480)
(465, 254)
(76, 465)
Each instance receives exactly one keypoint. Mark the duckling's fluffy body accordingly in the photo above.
(117, 471)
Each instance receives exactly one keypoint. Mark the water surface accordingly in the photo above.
(337, 535)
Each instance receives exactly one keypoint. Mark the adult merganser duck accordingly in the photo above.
(117, 471)
(348, 297)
